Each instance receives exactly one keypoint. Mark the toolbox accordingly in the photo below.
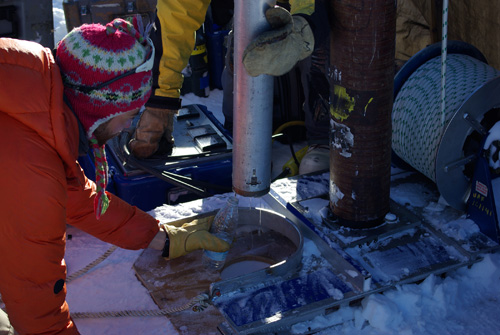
(30, 20)
(78, 12)
(199, 165)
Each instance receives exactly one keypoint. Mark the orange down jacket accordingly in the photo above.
(42, 188)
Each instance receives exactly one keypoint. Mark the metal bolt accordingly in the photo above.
(215, 294)
(391, 218)
(130, 7)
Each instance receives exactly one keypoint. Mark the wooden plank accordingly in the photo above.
(174, 283)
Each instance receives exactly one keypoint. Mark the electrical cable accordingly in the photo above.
(280, 129)
(283, 174)
(292, 150)
(196, 186)
(288, 124)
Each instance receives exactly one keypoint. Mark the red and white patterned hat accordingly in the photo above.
(103, 70)
(106, 72)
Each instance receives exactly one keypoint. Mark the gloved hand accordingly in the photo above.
(192, 236)
(155, 125)
(275, 52)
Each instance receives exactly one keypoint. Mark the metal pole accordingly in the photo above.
(253, 106)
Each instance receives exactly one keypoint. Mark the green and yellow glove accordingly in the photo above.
(275, 52)
(192, 236)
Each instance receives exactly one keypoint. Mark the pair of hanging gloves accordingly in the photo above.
(274, 52)
(177, 239)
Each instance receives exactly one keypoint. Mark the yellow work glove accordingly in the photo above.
(275, 52)
(155, 126)
(192, 236)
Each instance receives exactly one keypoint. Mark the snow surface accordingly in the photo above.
(466, 301)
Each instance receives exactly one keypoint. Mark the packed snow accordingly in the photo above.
(465, 301)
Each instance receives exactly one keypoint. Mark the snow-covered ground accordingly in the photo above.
(465, 301)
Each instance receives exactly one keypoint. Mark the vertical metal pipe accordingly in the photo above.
(253, 105)
(362, 73)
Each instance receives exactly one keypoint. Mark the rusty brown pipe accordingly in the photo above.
(361, 92)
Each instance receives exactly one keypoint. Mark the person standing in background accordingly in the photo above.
(174, 38)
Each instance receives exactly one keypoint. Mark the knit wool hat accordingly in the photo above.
(94, 54)
(106, 72)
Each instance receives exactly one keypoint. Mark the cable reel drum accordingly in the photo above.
(443, 145)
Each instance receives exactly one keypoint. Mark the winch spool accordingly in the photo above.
(440, 150)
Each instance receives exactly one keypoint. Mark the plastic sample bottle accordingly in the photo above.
(223, 227)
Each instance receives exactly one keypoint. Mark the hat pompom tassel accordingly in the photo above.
(101, 201)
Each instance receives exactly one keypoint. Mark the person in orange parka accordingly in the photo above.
(50, 112)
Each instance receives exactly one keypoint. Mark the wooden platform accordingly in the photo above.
(174, 283)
